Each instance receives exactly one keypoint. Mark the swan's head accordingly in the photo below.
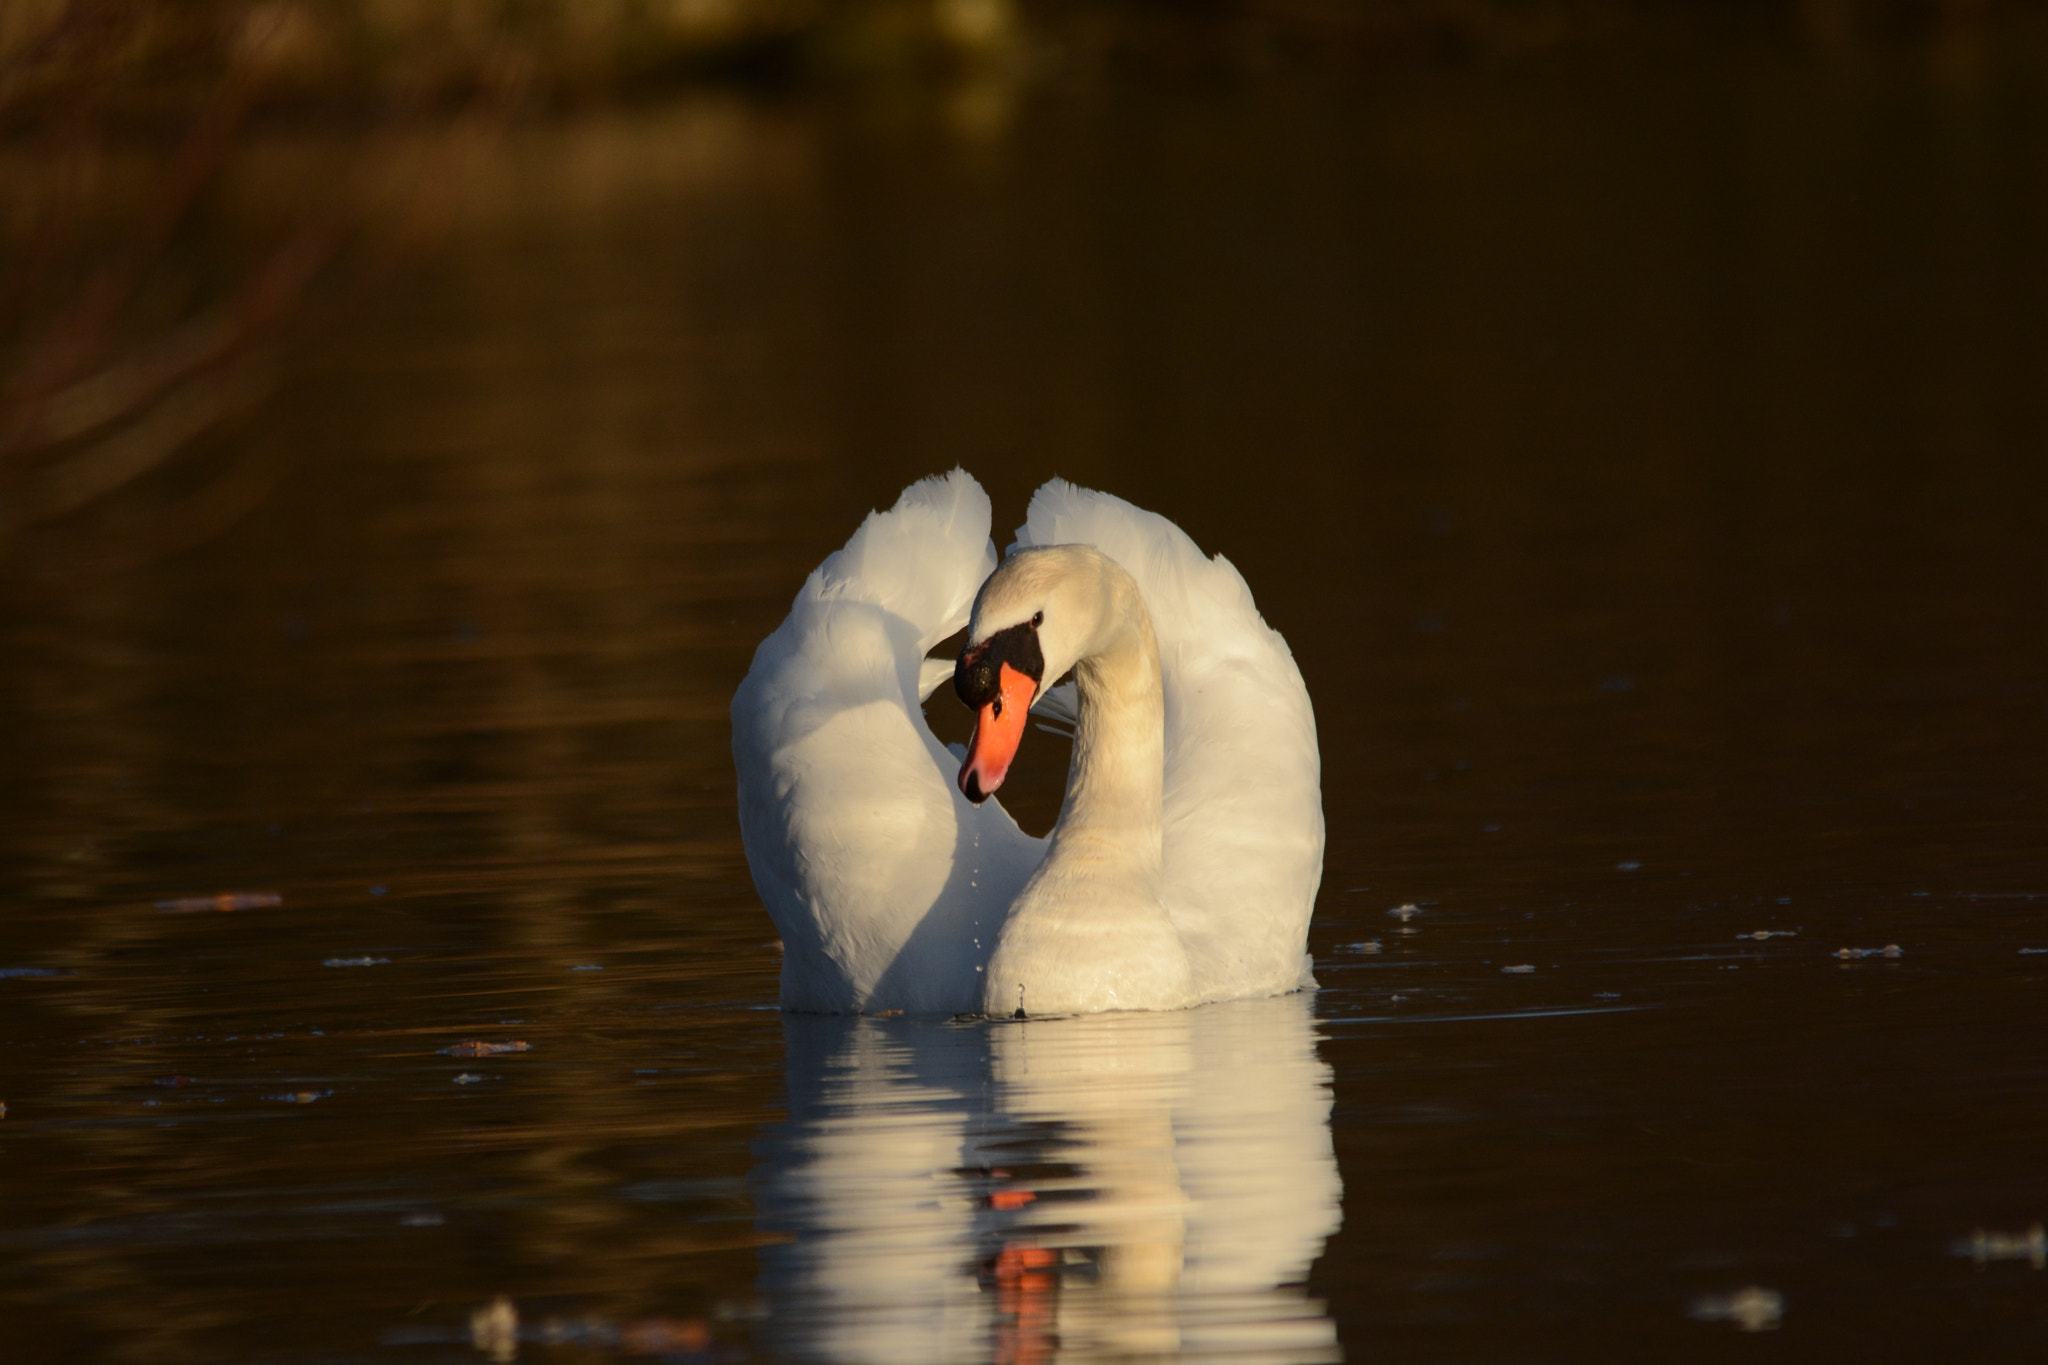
(1036, 617)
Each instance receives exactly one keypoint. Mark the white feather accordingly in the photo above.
(889, 888)
(887, 885)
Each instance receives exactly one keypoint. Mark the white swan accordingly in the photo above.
(1189, 847)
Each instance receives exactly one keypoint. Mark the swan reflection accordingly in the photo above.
(1097, 1187)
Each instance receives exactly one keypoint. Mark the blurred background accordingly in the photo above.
(413, 414)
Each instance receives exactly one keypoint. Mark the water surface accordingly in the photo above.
(1644, 461)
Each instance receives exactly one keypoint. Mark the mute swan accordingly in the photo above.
(1189, 847)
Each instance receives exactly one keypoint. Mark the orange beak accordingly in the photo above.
(998, 730)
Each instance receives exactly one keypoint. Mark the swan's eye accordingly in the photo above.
(1037, 619)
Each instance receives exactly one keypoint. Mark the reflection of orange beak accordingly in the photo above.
(998, 730)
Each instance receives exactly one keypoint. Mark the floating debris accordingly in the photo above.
(422, 1220)
(1985, 1247)
(1371, 945)
(1404, 913)
(225, 902)
(1752, 1308)
(1628, 865)
(2024, 952)
(1520, 969)
(30, 973)
(587, 967)
(1853, 954)
(301, 1096)
(355, 961)
(1762, 934)
(494, 1330)
(664, 1336)
(174, 1082)
(468, 1078)
(474, 1048)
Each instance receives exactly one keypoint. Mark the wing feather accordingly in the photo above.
(886, 884)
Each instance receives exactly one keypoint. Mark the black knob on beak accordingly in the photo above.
(975, 679)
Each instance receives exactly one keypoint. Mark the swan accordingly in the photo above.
(1188, 851)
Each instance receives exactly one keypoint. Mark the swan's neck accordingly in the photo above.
(1114, 784)
(1089, 931)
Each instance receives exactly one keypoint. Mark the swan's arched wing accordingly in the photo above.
(1243, 798)
(887, 885)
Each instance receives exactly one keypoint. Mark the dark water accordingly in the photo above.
(1645, 461)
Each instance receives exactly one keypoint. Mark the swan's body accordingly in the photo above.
(1189, 848)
